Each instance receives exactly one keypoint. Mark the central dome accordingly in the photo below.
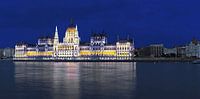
(72, 28)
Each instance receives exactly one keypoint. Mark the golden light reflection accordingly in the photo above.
(68, 80)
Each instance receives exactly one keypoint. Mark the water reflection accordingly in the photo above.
(108, 80)
(75, 80)
(66, 80)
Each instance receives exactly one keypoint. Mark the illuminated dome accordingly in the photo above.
(72, 28)
(71, 34)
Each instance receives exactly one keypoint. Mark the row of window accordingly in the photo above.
(123, 54)
(68, 47)
(67, 54)
(123, 48)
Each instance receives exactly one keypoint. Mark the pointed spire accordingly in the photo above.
(56, 33)
(56, 28)
(76, 27)
(56, 38)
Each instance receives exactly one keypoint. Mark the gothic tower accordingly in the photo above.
(55, 42)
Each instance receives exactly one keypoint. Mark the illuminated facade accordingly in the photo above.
(70, 48)
(100, 48)
(20, 50)
(44, 48)
(97, 44)
(85, 50)
(124, 49)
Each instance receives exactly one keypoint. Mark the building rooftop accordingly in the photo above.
(125, 41)
(21, 43)
(195, 41)
(44, 45)
(45, 37)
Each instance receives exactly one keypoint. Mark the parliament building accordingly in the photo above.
(72, 49)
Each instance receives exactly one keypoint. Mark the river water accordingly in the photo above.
(99, 80)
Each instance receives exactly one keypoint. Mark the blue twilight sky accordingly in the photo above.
(172, 22)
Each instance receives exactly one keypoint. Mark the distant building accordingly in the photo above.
(143, 52)
(156, 50)
(153, 50)
(170, 52)
(193, 49)
(181, 51)
(1, 53)
(8, 52)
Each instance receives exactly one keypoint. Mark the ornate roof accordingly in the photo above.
(72, 28)
(21, 43)
(125, 41)
(45, 37)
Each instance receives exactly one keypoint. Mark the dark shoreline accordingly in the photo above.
(133, 60)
